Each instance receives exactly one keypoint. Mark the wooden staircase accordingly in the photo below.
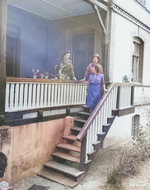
(64, 167)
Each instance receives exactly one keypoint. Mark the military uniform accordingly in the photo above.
(65, 71)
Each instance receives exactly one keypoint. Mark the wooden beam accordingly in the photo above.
(100, 5)
(100, 19)
(3, 24)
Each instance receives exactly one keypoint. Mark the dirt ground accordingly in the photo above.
(96, 178)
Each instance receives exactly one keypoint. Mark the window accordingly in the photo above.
(135, 126)
(137, 60)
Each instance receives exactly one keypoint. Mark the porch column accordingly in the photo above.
(107, 42)
(3, 24)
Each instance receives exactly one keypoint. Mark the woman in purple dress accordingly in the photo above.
(96, 84)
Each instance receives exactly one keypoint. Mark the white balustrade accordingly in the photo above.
(125, 96)
(101, 118)
(141, 95)
(35, 95)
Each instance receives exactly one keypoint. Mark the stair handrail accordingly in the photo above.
(85, 128)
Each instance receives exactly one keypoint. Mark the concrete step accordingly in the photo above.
(64, 168)
(66, 156)
(84, 113)
(80, 120)
(70, 137)
(69, 147)
(105, 128)
(59, 178)
(76, 128)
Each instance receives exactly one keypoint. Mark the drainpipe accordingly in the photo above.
(3, 25)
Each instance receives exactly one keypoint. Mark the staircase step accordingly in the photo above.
(91, 155)
(110, 119)
(84, 113)
(106, 128)
(64, 168)
(97, 145)
(59, 178)
(70, 137)
(80, 120)
(69, 147)
(66, 156)
(76, 128)
(101, 136)
(86, 108)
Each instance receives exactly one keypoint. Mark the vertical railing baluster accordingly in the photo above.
(45, 96)
(12, 96)
(34, 96)
(7, 96)
(38, 95)
(52, 93)
(16, 95)
(64, 100)
(62, 92)
(26, 96)
(21, 95)
(30, 95)
(56, 95)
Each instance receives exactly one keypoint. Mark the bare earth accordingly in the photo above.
(96, 177)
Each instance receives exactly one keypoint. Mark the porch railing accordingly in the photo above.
(118, 96)
(141, 94)
(26, 94)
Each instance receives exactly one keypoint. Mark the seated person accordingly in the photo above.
(64, 70)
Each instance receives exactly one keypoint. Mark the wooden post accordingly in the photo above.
(3, 24)
(83, 154)
(118, 98)
(132, 95)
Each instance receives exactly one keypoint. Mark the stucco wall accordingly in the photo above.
(119, 131)
(28, 147)
(122, 126)
(122, 33)
(134, 8)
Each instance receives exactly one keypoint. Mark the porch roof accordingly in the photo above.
(54, 9)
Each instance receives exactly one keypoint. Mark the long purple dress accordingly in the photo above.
(94, 90)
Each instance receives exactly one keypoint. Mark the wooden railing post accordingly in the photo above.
(132, 95)
(3, 24)
(118, 98)
(83, 153)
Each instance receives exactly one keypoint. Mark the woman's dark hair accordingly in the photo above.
(98, 57)
(3, 164)
(97, 68)
(66, 53)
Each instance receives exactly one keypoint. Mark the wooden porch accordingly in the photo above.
(73, 157)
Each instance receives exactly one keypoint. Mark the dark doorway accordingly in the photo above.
(83, 49)
(12, 63)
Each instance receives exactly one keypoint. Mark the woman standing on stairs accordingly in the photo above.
(96, 84)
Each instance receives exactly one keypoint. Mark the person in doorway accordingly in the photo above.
(65, 70)
(96, 84)
(96, 61)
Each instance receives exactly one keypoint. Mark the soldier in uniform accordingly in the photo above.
(65, 70)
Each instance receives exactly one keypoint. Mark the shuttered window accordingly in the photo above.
(137, 60)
